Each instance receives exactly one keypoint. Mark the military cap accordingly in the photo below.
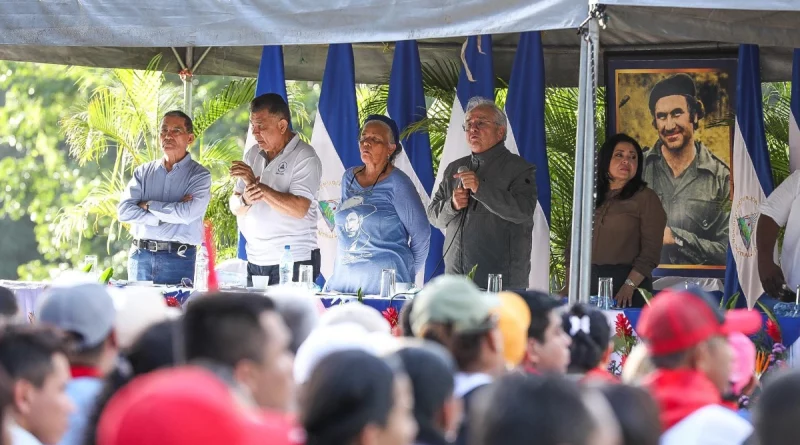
(677, 85)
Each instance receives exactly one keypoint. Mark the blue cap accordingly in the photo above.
(392, 126)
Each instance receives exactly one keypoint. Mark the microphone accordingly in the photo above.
(463, 169)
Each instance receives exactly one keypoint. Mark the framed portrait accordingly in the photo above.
(680, 109)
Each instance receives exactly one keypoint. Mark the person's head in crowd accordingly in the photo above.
(325, 340)
(379, 141)
(271, 122)
(366, 316)
(404, 319)
(607, 430)
(591, 342)
(155, 348)
(9, 309)
(186, 406)
(86, 313)
(245, 336)
(548, 343)
(777, 412)
(513, 320)
(6, 404)
(520, 409)
(35, 359)
(373, 406)
(485, 124)
(636, 413)
(637, 366)
(452, 311)
(137, 309)
(743, 373)
(432, 372)
(298, 310)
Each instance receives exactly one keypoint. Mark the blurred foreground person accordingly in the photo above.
(371, 407)
(636, 413)
(6, 402)
(548, 343)
(591, 343)
(9, 309)
(36, 362)
(522, 409)
(777, 413)
(686, 334)
(638, 365)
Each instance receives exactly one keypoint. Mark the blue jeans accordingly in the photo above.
(161, 267)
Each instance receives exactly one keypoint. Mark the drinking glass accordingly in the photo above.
(306, 276)
(495, 283)
(388, 282)
(605, 288)
(90, 259)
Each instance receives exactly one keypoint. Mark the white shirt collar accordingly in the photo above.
(465, 383)
(21, 436)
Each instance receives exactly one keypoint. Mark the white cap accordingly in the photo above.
(138, 308)
(365, 316)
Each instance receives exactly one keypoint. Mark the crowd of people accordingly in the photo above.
(104, 366)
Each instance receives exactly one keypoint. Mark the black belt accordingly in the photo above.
(159, 246)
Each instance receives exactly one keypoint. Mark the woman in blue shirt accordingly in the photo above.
(381, 222)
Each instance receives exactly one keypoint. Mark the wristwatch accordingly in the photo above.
(630, 283)
(244, 203)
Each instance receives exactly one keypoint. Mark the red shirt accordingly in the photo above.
(600, 375)
(84, 371)
(681, 392)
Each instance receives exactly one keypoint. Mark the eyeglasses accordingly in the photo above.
(477, 125)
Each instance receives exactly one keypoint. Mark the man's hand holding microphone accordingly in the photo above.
(469, 183)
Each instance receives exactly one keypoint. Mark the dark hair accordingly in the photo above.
(225, 328)
(464, 347)
(187, 121)
(336, 403)
(636, 413)
(586, 350)
(8, 302)
(26, 352)
(6, 399)
(540, 305)
(432, 372)
(604, 162)
(152, 350)
(519, 408)
(776, 413)
(300, 315)
(273, 104)
(405, 319)
(669, 361)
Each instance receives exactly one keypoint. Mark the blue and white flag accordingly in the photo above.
(406, 105)
(794, 115)
(478, 56)
(271, 79)
(752, 179)
(526, 137)
(335, 138)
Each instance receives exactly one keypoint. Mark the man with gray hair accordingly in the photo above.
(486, 203)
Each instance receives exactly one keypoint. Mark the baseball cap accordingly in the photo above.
(187, 405)
(85, 310)
(366, 316)
(744, 361)
(453, 299)
(514, 318)
(678, 319)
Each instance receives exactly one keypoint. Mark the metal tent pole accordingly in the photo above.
(188, 87)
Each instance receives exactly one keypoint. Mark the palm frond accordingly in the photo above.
(372, 100)
(236, 94)
(219, 155)
(100, 204)
(440, 79)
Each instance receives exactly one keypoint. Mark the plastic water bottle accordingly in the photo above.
(286, 267)
(201, 269)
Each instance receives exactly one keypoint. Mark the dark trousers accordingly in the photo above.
(273, 271)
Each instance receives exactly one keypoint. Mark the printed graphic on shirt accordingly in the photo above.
(355, 213)
(282, 168)
(329, 208)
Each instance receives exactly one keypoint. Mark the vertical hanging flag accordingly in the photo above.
(752, 179)
(794, 115)
(406, 105)
(526, 137)
(335, 138)
(271, 79)
(479, 61)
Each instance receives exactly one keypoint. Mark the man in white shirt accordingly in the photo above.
(781, 209)
(275, 198)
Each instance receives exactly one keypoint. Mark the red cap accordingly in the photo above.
(186, 406)
(678, 319)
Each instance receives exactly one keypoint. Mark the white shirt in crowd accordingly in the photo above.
(20, 436)
(783, 205)
(296, 170)
(710, 425)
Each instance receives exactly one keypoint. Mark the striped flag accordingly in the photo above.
(794, 116)
(335, 138)
(752, 178)
(479, 59)
(271, 79)
(526, 137)
(406, 105)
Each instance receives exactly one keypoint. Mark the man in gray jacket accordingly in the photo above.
(487, 208)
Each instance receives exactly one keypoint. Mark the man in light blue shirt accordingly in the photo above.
(164, 203)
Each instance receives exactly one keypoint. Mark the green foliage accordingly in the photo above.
(471, 273)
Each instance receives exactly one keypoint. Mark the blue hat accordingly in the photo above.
(392, 126)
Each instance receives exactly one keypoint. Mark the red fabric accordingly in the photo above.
(529, 369)
(599, 375)
(679, 393)
(84, 371)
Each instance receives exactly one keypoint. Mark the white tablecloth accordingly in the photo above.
(27, 293)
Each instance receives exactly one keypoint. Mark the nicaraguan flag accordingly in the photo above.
(406, 105)
(752, 179)
(526, 137)
(271, 79)
(479, 59)
(794, 116)
(335, 138)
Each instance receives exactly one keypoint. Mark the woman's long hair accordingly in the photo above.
(603, 181)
